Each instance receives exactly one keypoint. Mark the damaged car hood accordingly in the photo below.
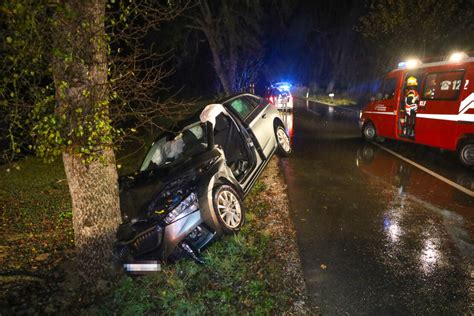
(158, 190)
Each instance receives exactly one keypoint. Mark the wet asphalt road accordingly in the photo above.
(376, 235)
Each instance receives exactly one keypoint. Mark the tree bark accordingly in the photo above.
(93, 185)
(221, 73)
(96, 214)
(207, 26)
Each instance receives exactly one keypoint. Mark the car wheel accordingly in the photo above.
(229, 208)
(283, 141)
(466, 153)
(369, 131)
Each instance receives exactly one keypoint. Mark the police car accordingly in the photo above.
(280, 95)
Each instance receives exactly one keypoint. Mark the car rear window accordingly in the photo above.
(443, 85)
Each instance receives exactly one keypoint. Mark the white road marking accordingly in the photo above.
(316, 113)
(434, 174)
(308, 109)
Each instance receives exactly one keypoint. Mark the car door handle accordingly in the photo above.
(264, 115)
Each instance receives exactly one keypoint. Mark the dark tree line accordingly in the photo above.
(399, 29)
(327, 44)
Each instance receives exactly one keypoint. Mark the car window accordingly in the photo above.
(171, 150)
(283, 90)
(442, 85)
(254, 102)
(242, 107)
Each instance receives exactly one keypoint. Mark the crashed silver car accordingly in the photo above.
(191, 184)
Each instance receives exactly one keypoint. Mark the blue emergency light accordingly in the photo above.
(282, 85)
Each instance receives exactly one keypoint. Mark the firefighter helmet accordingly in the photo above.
(411, 81)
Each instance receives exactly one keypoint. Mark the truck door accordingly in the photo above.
(437, 116)
(386, 108)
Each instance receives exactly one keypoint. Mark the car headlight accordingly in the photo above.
(186, 207)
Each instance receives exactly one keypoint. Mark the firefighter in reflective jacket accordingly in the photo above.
(412, 98)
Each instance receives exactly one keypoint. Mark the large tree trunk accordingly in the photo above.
(82, 96)
(218, 67)
(96, 215)
(207, 26)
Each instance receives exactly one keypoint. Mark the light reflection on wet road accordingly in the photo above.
(376, 235)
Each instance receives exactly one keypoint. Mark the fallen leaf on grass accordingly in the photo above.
(42, 257)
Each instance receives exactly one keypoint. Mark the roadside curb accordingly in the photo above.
(283, 234)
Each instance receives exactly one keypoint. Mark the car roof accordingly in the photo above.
(195, 116)
(235, 96)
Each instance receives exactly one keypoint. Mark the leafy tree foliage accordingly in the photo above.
(136, 68)
(26, 75)
(398, 29)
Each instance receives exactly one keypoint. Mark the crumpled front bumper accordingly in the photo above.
(143, 243)
(157, 242)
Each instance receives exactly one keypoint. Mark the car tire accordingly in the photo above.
(283, 141)
(229, 208)
(369, 132)
(466, 153)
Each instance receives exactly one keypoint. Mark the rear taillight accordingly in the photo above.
(271, 99)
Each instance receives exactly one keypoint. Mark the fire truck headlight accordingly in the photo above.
(457, 56)
(412, 63)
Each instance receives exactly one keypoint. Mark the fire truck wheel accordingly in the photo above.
(369, 131)
(466, 153)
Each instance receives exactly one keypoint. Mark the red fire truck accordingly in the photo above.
(426, 103)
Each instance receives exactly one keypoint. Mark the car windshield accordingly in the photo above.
(175, 148)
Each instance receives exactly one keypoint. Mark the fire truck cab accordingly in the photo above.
(426, 103)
